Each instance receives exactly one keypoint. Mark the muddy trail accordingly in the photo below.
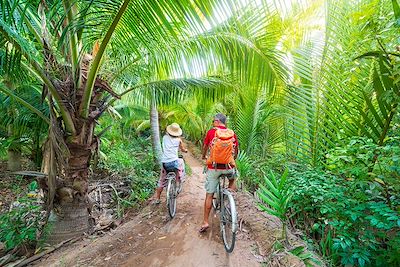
(151, 238)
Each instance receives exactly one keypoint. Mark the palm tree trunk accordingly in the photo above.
(69, 215)
(155, 133)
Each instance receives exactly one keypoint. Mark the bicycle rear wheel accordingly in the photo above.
(171, 197)
(228, 221)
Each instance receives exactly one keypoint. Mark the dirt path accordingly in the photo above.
(151, 239)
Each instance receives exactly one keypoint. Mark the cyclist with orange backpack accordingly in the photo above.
(223, 146)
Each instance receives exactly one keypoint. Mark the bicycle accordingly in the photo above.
(225, 203)
(172, 193)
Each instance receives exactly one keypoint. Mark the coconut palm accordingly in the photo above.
(338, 92)
(22, 124)
(165, 99)
(50, 38)
(79, 50)
(206, 72)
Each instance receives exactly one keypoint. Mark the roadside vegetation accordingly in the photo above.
(311, 88)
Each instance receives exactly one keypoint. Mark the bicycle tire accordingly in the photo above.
(179, 188)
(171, 197)
(215, 200)
(228, 221)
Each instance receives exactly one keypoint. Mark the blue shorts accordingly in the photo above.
(171, 166)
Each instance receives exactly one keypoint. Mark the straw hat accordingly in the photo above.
(174, 129)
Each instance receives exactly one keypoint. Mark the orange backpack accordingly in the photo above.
(222, 147)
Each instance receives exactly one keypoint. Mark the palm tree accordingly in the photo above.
(73, 90)
(204, 65)
(163, 98)
(336, 92)
(22, 124)
(79, 49)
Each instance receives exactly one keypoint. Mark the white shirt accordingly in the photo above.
(170, 147)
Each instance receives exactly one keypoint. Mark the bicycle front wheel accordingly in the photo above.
(171, 197)
(228, 221)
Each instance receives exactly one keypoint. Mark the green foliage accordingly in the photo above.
(275, 194)
(123, 151)
(3, 148)
(357, 159)
(244, 166)
(130, 155)
(21, 225)
(276, 198)
(21, 129)
(252, 168)
(307, 257)
(351, 220)
(323, 112)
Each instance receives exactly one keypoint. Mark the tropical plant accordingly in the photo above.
(357, 160)
(204, 76)
(22, 129)
(64, 45)
(22, 224)
(72, 88)
(351, 220)
(340, 94)
(24, 117)
(276, 194)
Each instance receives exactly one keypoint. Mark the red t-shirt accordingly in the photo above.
(210, 136)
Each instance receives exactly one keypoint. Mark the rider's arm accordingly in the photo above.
(236, 152)
(204, 151)
(206, 142)
(182, 147)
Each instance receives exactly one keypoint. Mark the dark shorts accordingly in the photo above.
(171, 166)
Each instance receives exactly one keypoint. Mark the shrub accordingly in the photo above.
(21, 225)
(351, 221)
(130, 156)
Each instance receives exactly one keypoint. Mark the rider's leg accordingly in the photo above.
(158, 192)
(178, 178)
(160, 184)
(176, 171)
(210, 186)
(207, 209)
(232, 184)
